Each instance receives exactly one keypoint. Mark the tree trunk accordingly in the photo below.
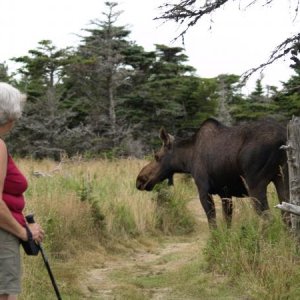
(112, 109)
(223, 113)
(293, 154)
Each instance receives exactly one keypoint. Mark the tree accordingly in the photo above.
(170, 62)
(228, 89)
(42, 69)
(99, 70)
(170, 95)
(254, 106)
(159, 95)
(4, 76)
(44, 120)
(258, 93)
(288, 99)
(190, 12)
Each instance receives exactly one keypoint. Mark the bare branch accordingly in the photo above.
(186, 10)
(191, 11)
(281, 50)
(296, 10)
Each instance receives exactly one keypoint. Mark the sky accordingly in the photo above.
(231, 41)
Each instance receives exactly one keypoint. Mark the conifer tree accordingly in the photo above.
(99, 70)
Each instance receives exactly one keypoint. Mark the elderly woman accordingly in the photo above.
(12, 186)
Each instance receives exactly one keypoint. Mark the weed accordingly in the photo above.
(173, 217)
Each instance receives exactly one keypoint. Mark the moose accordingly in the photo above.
(237, 161)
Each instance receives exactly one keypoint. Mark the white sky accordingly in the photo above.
(239, 38)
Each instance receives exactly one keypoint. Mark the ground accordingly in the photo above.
(142, 272)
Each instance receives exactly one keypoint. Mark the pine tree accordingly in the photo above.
(44, 120)
(288, 100)
(4, 76)
(98, 71)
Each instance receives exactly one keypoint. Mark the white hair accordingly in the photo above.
(11, 103)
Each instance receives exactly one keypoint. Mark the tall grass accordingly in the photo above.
(260, 256)
(87, 206)
(172, 214)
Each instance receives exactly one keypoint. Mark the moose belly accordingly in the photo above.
(229, 188)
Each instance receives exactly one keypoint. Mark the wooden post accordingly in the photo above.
(293, 155)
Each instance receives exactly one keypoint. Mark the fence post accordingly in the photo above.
(293, 155)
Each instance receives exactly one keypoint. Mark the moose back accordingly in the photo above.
(227, 161)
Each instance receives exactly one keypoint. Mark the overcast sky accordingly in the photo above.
(239, 38)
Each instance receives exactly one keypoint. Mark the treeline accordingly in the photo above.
(109, 96)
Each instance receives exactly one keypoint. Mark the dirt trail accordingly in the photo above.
(102, 282)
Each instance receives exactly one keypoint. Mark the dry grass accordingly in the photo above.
(91, 211)
(86, 207)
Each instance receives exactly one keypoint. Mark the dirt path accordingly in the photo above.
(111, 279)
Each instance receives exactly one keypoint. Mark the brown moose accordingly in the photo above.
(227, 161)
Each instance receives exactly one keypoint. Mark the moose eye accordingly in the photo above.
(156, 157)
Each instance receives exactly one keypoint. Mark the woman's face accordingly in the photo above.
(6, 128)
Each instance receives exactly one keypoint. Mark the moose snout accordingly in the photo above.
(140, 184)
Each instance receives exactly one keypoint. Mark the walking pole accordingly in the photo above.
(30, 220)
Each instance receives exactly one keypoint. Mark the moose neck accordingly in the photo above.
(182, 156)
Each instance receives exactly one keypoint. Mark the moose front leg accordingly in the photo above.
(209, 208)
(227, 210)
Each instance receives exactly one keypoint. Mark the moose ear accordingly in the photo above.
(166, 138)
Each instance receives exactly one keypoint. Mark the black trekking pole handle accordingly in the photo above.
(30, 220)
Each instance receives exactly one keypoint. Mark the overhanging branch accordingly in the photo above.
(186, 10)
(281, 50)
(191, 11)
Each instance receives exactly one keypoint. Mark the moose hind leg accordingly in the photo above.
(282, 188)
(227, 208)
(258, 195)
(282, 185)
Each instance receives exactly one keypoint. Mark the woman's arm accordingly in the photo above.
(7, 221)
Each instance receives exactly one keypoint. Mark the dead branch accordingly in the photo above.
(281, 50)
(191, 11)
(289, 207)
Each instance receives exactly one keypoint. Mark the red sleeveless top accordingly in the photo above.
(15, 185)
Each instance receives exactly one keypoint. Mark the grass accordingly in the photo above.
(255, 259)
(92, 214)
(91, 207)
(260, 257)
(182, 275)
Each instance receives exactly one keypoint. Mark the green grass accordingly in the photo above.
(260, 257)
(88, 208)
(92, 214)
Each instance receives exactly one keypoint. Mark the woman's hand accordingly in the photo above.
(38, 233)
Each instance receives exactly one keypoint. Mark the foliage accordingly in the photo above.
(4, 76)
(288, 100)
(100, 68)
(108, 97)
